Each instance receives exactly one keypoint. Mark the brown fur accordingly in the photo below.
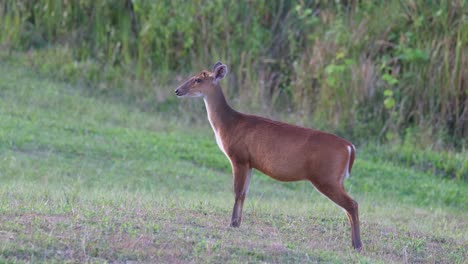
(282, 151)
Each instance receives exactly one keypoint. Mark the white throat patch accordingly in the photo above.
(219, 141)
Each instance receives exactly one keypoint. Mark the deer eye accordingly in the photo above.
(198, 80)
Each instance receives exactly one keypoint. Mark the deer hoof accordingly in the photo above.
(358, 248)
(235, 223)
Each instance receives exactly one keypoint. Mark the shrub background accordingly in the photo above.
(387, 70)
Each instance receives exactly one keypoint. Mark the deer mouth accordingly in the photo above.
(178, 92)
(181, 93)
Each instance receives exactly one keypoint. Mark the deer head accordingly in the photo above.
(202, 83)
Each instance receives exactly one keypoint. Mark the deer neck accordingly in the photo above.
(220, 114)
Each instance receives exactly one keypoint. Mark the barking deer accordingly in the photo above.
(282, 151)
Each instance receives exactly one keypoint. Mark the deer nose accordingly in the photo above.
(177, 92)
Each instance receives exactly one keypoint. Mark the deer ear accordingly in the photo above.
(219, 72)
(216, 65)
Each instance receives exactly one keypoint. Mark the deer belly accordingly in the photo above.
(282, 169)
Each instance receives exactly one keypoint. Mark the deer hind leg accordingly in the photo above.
(241, 175)
(338, 195)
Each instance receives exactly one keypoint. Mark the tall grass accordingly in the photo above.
(380, 69)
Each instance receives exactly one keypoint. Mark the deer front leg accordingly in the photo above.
(241, 176)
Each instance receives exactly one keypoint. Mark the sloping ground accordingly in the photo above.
(88, 179)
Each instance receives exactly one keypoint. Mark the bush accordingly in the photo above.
(360, 68)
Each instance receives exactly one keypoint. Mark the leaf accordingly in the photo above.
(389, 103)
(340, 55)
(390, 135)
(388, 93)
(349, 62)
(410, 55)
(330, 69)
(331, 81)
(389, 79)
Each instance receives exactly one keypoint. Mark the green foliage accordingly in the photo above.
(444, 164)
(389, 102)
(325, 63)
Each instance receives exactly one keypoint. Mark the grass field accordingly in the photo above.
(92, 179)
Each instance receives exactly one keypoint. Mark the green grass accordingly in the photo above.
(89, 179)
